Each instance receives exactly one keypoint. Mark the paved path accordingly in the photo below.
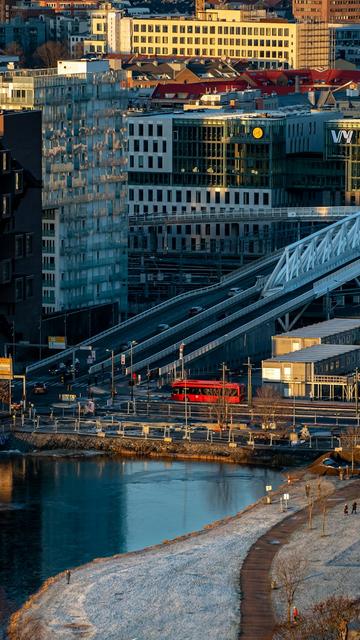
(257, 617)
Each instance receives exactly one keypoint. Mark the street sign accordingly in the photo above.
(286, 496)
(122, 359)
(57, 342)
(6, 370)
(67, 397)
(93, 355)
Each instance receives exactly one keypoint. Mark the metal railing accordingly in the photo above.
(228, 280)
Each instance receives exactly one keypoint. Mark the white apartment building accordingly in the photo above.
(216, 162)
(84, 179)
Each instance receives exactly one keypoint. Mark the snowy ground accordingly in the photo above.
(188, 589)
(333, 560)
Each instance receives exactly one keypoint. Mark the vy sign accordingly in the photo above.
(342, 136)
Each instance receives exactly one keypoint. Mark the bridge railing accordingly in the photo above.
(194, 293)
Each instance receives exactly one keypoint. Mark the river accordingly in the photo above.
(59, 512)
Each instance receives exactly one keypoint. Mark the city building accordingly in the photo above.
(347, 42)
(342, 146)
(267, 42)
(334, 331)
(29, 34)
(327, 10)
(84, 164)
(300, 373)
(20, 226)
(221, 161)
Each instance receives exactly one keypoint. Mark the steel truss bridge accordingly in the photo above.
(271, 289)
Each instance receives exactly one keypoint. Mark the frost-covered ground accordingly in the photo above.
(187, 590)
(333, 560)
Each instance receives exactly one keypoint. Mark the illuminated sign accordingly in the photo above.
(6, 372)
(57, 342)
(342, 136)
(258, 133)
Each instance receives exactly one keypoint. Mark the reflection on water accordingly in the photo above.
(58, 512)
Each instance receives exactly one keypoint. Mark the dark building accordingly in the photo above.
(20, 226)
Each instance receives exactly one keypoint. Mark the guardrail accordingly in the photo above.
(230, 279)
(316, 291)
(179, 327)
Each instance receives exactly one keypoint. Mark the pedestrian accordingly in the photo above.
(354, 507)
(68, 576)
(295, 615)
(346, 510)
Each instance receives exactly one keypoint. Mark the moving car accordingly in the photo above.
(39, 388)
(194, 311)
(162, 327)
(234, 291)
(56, 369)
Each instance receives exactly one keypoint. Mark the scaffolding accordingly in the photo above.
(314, 49)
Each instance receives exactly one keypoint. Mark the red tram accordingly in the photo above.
(207, 391)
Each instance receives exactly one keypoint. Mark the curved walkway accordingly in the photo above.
(257, 617)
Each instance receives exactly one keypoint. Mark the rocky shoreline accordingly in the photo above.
(135, 447)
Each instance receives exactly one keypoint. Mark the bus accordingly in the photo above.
(207, 391)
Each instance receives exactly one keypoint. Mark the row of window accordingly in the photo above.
(150, 129)
(23, 245)
(148, 162)
(205, 229)
(144, 145)
(220, 29)
(160, 195)
(213, 41)
(24, 288)
(211, 245)
(232, 53)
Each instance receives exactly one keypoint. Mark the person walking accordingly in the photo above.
(68, 576)
(354, 507)
(346, 510)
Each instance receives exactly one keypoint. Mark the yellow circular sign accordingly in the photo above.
(258, 133)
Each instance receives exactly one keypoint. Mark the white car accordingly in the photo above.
(234, 291)
(162, 327)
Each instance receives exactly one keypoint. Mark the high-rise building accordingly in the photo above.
(84, 194)
(327, 10)
(269, 43)
(20, 225)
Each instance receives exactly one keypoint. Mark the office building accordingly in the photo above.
(218, 162)
(334, 331)
(84, 195)
(20, 226)
(327, 10)
(268, 43)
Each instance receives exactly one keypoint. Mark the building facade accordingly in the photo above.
(20, 226)
(218, 162)
(327, 10)
(84, 164)
(267, 42)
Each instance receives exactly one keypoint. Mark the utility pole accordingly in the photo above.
(356, 393)
(224, 370)
(249, 389)
(148, 383)
(181, 358)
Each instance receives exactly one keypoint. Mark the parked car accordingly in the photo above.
(234, 291)
(194, 311)
(39, 388)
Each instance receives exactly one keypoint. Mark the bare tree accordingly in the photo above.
(4, 391)
(290, 572)
(220, 407)
(350, 441)
(50, 52)
(326, 620)
(268, 405)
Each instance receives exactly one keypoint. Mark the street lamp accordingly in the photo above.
(132, 344)
(113, 391)
(181, 358)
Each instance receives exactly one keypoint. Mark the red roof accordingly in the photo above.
(264, 80)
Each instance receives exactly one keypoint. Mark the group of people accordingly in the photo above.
(353, 509)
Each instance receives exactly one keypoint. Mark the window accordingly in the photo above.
(136, 145)
(155, 146)
(150, 162)
(146, 146)
(164, 146)
(141, 162)
(160, 162)
(159, 195)
(29, 244)
(151, 130)
(159, 130)
(19, 246)
(29, 287)
(131, 129)
(19, 289)
(141, 129)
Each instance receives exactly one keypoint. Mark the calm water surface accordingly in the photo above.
(58, 512)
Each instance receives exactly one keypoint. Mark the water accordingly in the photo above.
(57, 513)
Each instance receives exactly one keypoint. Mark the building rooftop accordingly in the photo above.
(316, 353)
(323, 329)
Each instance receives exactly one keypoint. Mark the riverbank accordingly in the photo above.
(181, 450)
(187, 588)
